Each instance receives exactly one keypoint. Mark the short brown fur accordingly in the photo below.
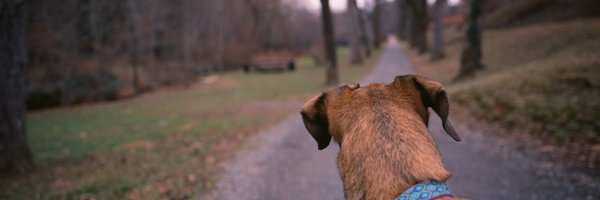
(385, 146)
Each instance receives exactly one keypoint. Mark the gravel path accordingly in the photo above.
(284, 163)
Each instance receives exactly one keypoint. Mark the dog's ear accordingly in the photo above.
(434, 96)
(314, 115)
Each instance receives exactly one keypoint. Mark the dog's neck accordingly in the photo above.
(399, 148)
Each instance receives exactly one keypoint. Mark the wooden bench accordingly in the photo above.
(271, 65)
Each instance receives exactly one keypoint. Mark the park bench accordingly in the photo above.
(270, 65)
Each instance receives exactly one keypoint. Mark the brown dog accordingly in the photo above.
(385, 146)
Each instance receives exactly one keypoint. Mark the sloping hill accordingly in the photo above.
(540, 79)
(506, 13)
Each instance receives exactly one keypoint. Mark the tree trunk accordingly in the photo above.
(186, 34)
(330, 55)
(438, 32)
(407, 21)
(471, 55)
(364, 37)
(15, 155)
(353, 20)
(403, 26)
(418, 24)
(377, 24)
(133, 46)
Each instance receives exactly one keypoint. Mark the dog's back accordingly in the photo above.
(385, 146)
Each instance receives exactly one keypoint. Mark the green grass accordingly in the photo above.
(165, 144)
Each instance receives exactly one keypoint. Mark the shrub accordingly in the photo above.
(79, 87)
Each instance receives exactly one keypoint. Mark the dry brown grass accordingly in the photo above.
(540, 79)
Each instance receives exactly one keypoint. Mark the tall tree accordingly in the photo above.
(364, 36)
(353, 21)
(470, 60)
(438, 32)
(330, 55)
(133, 48)
(403, 27)
(376, 21)
(15, 155)
(418, 24)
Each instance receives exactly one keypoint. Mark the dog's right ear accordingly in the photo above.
(314, 115)
(434, 96)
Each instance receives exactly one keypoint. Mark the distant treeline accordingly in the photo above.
(90, 50)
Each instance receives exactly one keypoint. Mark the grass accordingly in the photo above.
(514, 11)
(167, 144)
(542, 79)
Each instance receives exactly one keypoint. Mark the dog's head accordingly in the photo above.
(336, 111)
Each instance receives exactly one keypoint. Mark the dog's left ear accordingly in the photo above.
(314, 115)
(434, 96)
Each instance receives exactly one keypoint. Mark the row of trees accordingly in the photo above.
(413, 21)
(197, 32)
(413, 26)
(364, 30)
(147, 43)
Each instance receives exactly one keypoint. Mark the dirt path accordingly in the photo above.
(284, 163)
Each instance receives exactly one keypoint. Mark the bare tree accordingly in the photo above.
(376, 21)
(353, 23)
(364, 36)
(133, 45)
(389, 20)
(330, 54)
(15, 155)
(471, 55)
(438, 33)
(418, 24)
(405, 16)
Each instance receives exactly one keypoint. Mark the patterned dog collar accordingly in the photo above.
(429, 189)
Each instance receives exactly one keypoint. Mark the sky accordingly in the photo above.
(340, 5)
(336, 5)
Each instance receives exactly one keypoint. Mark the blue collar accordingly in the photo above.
(429, 189)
